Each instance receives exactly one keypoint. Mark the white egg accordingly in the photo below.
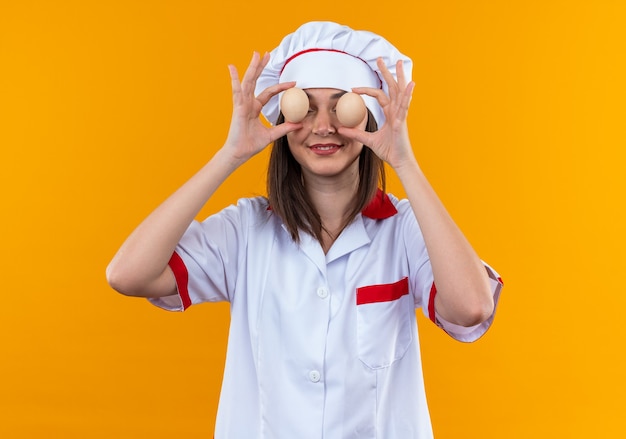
(351, 109)
(294, 104)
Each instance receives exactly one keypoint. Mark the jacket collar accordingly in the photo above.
(380, 207)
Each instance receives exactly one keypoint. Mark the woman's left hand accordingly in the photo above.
(391, 142)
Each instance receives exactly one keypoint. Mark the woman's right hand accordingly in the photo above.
(141, 265)
(248, 135)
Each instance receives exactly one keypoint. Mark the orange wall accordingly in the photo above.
(106, 107)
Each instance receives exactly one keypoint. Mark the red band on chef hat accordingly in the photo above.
(322, 54)
(318, 68)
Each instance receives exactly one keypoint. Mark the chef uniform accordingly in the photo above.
(320, 345)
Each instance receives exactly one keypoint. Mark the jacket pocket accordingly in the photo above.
(383, 322)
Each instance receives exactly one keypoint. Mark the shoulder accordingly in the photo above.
(245, 211)
(400, 219)
(247, 206)
(257, 205)
(252, 211)
(401, 204)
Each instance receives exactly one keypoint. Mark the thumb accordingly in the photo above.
(278, 131)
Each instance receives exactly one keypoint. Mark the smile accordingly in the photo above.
(325, 149)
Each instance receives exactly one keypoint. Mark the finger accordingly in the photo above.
(251, 66)
(364, 137)
(260, 65)
(400, 75)
(376, 93)
(403, 102)
(392, 85)
(273, 90)
(234, 81)
(278, 131)
(406, 99)
(234, 74)
(256, 66)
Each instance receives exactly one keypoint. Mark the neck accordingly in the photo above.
(333, 201)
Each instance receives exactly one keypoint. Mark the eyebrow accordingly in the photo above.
(333, 96)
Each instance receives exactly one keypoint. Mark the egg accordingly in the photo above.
(351, 109)
(294, 104)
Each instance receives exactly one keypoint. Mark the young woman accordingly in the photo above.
(324, 275)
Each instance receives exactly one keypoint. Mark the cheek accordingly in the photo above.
(295, 137)
(292, 144)
(290, 139)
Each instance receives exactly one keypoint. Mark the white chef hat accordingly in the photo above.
(323, 54)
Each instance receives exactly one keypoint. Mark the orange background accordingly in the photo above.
(107, 107)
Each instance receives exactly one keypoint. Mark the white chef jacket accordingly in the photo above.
(320, 345)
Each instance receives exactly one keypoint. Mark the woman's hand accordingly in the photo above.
(248, 135)
(391, 142)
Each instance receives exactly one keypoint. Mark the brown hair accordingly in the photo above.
(288, 197)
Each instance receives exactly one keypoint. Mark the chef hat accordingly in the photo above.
(323, 54)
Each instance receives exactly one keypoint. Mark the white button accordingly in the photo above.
(322, 292)
(314, 376)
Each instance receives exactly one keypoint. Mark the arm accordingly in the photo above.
(464, 295)
(140, 267)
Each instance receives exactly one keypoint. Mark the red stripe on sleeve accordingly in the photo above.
(182, 278)
(431, 303)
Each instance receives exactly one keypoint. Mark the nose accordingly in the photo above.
(323, 124)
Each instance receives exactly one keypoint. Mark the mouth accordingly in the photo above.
(325, 149)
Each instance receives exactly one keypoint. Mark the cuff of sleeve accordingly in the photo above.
(469, 334)
(180, 301)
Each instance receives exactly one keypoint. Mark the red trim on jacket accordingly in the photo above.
(380, 207)
(431, 303)
(383, 292)
(182, 278)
